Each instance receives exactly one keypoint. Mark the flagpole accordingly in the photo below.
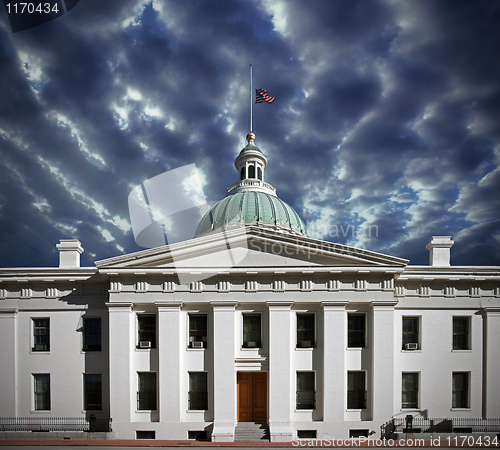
(251, 98)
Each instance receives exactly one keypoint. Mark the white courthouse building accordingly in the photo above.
(250, 321)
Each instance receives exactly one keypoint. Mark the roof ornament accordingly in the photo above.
(251, 138)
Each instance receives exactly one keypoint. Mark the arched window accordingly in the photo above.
(259, 173)
(243, 173)
(251, 171)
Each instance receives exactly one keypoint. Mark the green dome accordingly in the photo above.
(250, 147)
(251, 207)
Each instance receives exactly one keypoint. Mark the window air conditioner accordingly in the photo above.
(251, 344)
(39, 347)
(197, 344)
(411, 346)
(145, 344)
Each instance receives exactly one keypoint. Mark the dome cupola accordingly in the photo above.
(251, 164)
(251, 200)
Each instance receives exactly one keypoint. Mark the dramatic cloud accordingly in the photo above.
(385, 131)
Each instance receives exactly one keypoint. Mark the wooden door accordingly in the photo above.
(252, 396)
(259, 403)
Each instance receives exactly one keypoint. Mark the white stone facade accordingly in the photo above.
(275, 280)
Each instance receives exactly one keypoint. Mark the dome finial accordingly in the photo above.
(251, 137)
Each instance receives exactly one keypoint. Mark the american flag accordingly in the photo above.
(262, 97)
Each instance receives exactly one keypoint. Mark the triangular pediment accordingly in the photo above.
(251, 247)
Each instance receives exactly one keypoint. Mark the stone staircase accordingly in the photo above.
(251, 432)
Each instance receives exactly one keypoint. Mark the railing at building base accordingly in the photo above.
(48, 423)
(411, 424)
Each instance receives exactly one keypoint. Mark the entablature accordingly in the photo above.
(250, 280)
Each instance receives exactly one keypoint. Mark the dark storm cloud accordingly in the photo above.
(386, 120)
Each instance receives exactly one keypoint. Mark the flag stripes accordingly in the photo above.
(262, 96)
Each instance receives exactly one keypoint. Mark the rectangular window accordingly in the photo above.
(305, 330)
(411, 326)
(198, 331)
(145, 434)
(92, 334)
(409, 390)
(146, 396)
(306, 394)
(42, 391)
(41, 335)
(460, 390)
(198, 392)
(356, 390)
(251, 331)
(146, 330)
(461, 333)
(356, 326)
(92, 387)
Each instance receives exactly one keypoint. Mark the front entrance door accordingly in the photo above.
(252, 396)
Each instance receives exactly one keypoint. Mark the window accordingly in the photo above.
(251, 171)
(92, 334)
(409, 391)
(411, 327)
(306, 434)
(356, 390)
(198, 393)
(259, 173)
(145, 434)
(461, 333)
(305, 330)
(146, 326)
(251, 331)
(357, 433)
(306, 395)
(197, 435)
(41, 335)
(42, 391)
(197, 331)
(356, 323)
(460, 390)
(146, 396)
(243, 173)
(92, 388)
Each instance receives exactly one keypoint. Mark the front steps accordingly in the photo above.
(251, 432)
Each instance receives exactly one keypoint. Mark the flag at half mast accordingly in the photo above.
(262, 96)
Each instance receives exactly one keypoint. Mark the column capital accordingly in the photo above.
(168, 306)
(386, 304)
(334, 305)
(12, 311)
(279, 304)
(228, 305)
(119, 305)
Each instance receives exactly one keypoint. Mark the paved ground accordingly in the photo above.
(136, 444)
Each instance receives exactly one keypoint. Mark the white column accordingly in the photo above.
(224, 372)
(491, 394)
(281, 389)
(121, 342)
(8, 368)
(382, 385)
(334, 346)
(169, 370)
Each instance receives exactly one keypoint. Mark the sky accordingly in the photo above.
(385, 130)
